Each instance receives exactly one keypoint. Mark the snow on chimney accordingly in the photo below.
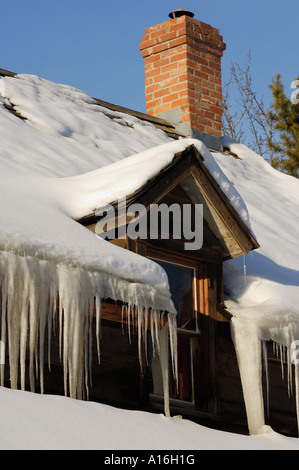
(183, 75)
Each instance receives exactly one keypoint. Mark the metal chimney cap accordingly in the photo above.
(180, 12)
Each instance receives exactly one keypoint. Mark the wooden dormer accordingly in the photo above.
(186, 181)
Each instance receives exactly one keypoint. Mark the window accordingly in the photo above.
(182, 287)
(181, 283)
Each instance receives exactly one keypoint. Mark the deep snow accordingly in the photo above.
(47, 422)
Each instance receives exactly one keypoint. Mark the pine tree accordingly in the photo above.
(283, 114)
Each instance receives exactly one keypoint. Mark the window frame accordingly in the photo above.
(194, 335)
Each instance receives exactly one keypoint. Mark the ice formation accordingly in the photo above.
(39, 297)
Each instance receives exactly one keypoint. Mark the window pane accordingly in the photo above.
(181, 287)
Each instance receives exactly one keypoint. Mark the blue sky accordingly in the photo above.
(94, 45)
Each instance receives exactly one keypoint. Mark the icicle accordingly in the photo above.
(98, 325)
(128, 310)
(244, 269)
(164, 361)
(290, 374)
(172, 324)
(3, 323)
(265, 357)
(247, 343)
(140, 327)
(145, 337)
(282, 359)
(122, 317)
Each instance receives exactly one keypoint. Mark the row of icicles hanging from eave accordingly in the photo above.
(40, 298)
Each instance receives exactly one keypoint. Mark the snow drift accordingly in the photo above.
(46, 422)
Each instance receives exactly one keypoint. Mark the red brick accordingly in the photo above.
(180, 102)
(169, 67)
(161, 77)
(218, 125)
(207, 84)
(177, 57)
(190, 63)
(171, 81)
(178, 87)
(218, 117)
(147, 44)
(209, 115)
(208, 70)
(199, 127)
(157, 34)
(152, 104)
(171, 97)
(215, 80)
(186, 117)
(162, 109)
(179, 72)
(162, 61)
(151, 58)
(177, 42)
(200, 75)
(207, 55)
(162, 92)
(179, 27)
(168, 36)
(214, 132)
(216, 94)
(183, 93)
(145, 38)
(215, 109)
(153, 72)
(152, 88)
(183, 77)
(148, 67)
(159, 47)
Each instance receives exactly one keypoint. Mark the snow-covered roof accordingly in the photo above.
(64, 159)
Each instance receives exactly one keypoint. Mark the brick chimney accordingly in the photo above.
(183, 75)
